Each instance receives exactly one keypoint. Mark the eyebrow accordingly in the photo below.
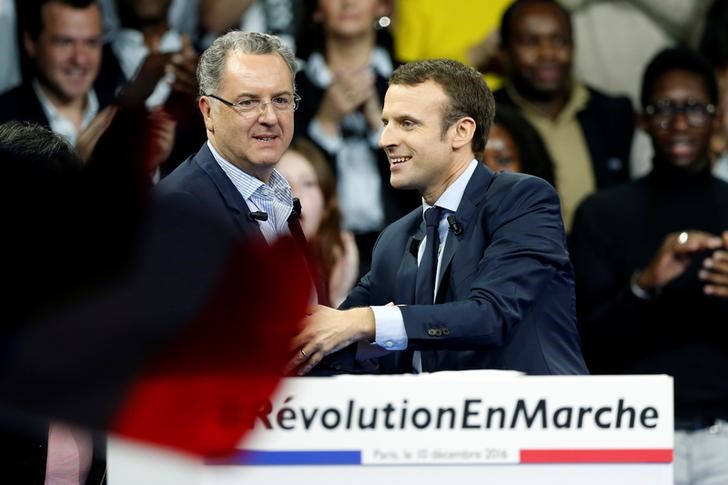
(255, 95)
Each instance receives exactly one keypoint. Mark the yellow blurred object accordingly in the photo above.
(427, 29)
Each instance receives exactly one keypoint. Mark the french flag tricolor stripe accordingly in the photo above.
(597, 456)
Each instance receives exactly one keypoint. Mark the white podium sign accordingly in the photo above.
(503, 426)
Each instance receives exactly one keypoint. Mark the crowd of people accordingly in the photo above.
(348, 130)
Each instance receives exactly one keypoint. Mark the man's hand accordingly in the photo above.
(184, 67)
(715, 271)
(88, 138)
(327, 330)
(675, 256)
(162, 134)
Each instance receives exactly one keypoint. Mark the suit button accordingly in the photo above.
(446, 331)
(431, 332)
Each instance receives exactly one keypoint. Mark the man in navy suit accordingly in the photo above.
(247, 99)
(501, 289)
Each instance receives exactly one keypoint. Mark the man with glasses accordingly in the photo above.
(229, 192)
(247, 99)
(651, 263)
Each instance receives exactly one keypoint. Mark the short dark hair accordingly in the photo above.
(33, 149)
(31, 20)
(510, 12)
(674, 59)
(468, 92)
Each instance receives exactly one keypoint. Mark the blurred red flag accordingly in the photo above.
(200, 394)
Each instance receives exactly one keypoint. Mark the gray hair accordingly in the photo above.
(212, 61)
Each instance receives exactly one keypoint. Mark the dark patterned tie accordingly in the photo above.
(426, 273)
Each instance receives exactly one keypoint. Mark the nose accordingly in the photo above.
(387, 137)
(79, 53)
(546, 49)
(268, 115)
(680, 121)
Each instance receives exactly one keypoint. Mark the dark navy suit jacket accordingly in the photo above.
(199, 186)
(200, 206)
(506, 298)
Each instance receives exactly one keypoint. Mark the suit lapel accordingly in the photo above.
(407, 272)
(234, 202)
(473, 196)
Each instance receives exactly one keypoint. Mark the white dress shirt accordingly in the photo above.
(390, 330)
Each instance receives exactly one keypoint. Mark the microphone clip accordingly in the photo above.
(455, 226)
(258, 216)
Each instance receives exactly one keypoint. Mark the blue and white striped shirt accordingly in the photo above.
(273, 198)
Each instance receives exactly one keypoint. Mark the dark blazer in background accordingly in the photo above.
(608, 125)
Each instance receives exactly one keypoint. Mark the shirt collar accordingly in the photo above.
(450, 199)
(55, 118)
(319, 73)
(248, 185)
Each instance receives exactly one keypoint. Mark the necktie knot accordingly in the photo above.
(433, 216)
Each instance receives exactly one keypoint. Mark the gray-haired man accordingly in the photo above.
(247, 99)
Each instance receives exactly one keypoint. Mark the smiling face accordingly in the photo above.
(67, 53)
(421, 156)
(254, 141)
(679, 142)
(540, 49)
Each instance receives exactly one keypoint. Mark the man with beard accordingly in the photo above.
(650, 253)
(587, 133)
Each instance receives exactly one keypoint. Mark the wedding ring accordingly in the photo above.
(304, 354)
(682, 238)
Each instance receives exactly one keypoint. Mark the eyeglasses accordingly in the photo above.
(662, 113)
(255, 106)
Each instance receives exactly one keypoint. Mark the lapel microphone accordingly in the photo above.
(455, 226)
(262, 216)
(258, 216)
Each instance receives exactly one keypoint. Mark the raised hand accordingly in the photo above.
(715, 271)
(674, 256)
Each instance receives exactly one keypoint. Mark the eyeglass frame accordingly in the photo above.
(237, 107)
(709, 111)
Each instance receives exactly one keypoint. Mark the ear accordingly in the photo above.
(317, 16)
(206, 109)
(462, 132)
(29, 45)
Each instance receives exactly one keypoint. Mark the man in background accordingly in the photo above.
(587, 133)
